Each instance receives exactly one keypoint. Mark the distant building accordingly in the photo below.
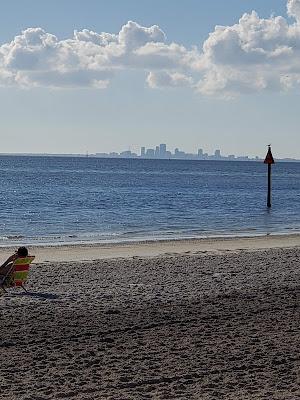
(143, 151)
(126, 154)
(157, 151)
(162, 150)
(150, 153)
(179, 154)
(101, 155)
(218, 154)
(200, 153)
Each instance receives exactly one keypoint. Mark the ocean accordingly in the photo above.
(60, 200)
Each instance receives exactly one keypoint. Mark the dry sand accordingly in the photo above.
(88, 252)
(218, 325)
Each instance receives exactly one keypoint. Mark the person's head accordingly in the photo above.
(22, 252)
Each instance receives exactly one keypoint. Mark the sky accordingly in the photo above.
(78, 76)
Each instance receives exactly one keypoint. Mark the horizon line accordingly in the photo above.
(139, 157)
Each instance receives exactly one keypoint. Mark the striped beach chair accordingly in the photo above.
(18, 274)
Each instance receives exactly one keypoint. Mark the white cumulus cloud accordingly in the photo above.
(293, 7)
(255, 54)
(163, 79)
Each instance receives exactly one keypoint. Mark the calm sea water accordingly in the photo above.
(58, 200)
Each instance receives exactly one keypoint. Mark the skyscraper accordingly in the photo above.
(218, 153)
(143, 150)
(162, 150)
(200, 153)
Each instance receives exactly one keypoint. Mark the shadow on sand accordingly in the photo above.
(45, 296)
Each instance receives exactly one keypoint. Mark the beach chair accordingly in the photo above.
(18, 273)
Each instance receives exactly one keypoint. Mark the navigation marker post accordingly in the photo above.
(269, 160)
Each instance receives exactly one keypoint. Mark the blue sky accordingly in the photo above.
(137, 101)
(186, 22)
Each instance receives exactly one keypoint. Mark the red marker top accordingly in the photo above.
(269, 157)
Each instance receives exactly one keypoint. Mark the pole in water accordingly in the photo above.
(269, 160)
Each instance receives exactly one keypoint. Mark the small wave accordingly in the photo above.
(98, 234)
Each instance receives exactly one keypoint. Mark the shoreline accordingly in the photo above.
(154, 248)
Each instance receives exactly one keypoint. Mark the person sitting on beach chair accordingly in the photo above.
(17, 264)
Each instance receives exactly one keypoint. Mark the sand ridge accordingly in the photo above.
(193, 326)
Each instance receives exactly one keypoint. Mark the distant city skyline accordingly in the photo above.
(161, 152)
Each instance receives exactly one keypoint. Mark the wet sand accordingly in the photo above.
(223, 324)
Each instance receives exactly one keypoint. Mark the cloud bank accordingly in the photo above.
(251, 56)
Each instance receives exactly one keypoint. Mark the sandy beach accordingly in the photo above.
(199, 319)
(90, 252)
